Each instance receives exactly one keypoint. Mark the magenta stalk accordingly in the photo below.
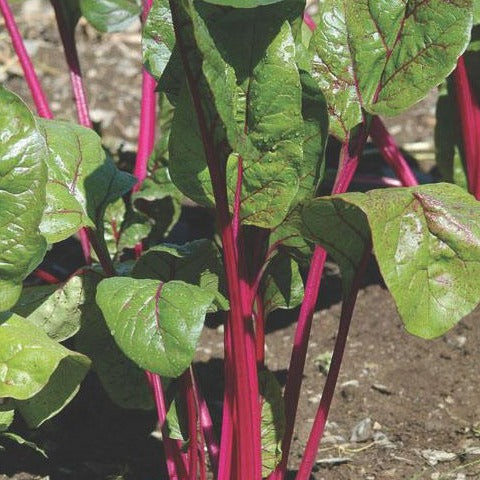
(391, 153)
(38, 95)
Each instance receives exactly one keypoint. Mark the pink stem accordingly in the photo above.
(391, 153)
(189, 395)
(45, 276)
(38, 95)
(349, 159)
(310, 452)
(175, 463)
(309, 21)
(469, 111)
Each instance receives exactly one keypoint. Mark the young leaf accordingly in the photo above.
(23, 177)
(385, 56)
(110, 15)
(158, 38)
(282, 284)
(56, 309)
(198, 263)
(176, 422)
(156, 324)
(426, 240)
(29, 359)
(123, 381)
(273, 421)
(82, 179)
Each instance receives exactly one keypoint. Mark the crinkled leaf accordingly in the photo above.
(426, 240)
(282, 284)
(123, 381)
(257, 94)
(476, 12)
(29, 359)
(273, 421)
(156, 324)
(23, 178)
(56, 309)
(110, 15)
(385, 56)
(14, 437)
(158, 38)
(82, 179)
(448, 141)
(198, 263)
(62, 386)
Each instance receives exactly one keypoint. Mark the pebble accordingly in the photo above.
(436, 456)
(362, 431)
(349, 389)
(382, 389)
(333, 461)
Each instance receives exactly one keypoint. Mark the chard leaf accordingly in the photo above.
(157, 325)
(176, 422)
(426, 240)
(38, 372)
(23, 177)
(158, 38)
(123, 381)
(82, 180)
(251, 109)
(7, 414)
(448, 141)
(385, 56)
(14, 437)
(110, 15)
(198, 263)
(282, 284)
(273, 421)
(56, 309)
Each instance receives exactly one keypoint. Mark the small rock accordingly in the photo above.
(382, 389)
(382, 440)
(348, 390)
(377, 426)
(435, 456)
(331, 461)
(362, 431)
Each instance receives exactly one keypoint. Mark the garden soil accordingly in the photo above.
(404, 408)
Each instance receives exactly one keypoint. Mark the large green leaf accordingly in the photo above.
(82, 179)
(158, 38)
(124, 382)
(56, 309)
(273, 421)
(282, 284)
(198, 263)
(251, 109)
(385, 56)
(110, 15)
(29, 361)
(23, 178)
(426, 240)
(156, 324)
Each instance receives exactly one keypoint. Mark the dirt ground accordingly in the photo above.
(413, 405)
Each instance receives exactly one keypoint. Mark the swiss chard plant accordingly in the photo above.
(245, 95)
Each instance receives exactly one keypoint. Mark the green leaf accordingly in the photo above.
(448, 140)
(23, 178)
(176, 422)
(82, 179)
(123, 381)
(198, 263)
(385, 56)
(7, 414)
(251, 109)
(476, 12)
(56, 309)
(156, 324)
(273, 421)
(282, 284)
(14, 437)
(29, 359)
(158, 38)
(243, 3)
(426, 240)
(110, 15)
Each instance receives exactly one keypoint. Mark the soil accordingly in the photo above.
(417, 400)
